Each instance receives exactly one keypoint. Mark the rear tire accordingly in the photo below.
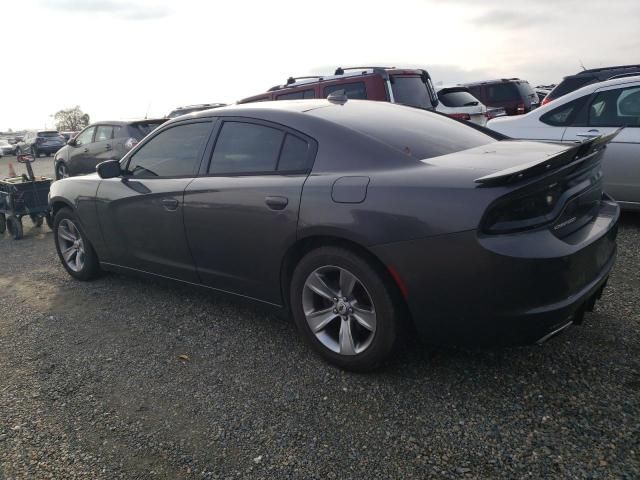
(3, 223)
(359, 330)
(75, 251)
(14, 225)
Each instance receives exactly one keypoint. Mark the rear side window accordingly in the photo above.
(246, 148)
(104, 132)
(175, 152)
(410, 90)
(503, 92)
(297, 95)
(355, 90)
(457, 98)
(295, 154)
(564, 114)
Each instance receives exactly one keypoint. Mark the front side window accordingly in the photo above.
(104, 132)
(246, 148)
(616, 108)
(174, 152)
(355, 90)
(85, 137)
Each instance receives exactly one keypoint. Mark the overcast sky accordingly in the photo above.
(120, 59)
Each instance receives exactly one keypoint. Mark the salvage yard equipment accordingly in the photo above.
(26, 195)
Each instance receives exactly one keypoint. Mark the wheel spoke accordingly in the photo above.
(68, 254)
(347, 347)
(347, 282)
(366, 318)
(317, 284)
(65, 234)
(320, 319)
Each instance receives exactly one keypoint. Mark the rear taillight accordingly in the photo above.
(130, 143)
(520, 108)
(546, 100)
(523, 212)
(460, 116)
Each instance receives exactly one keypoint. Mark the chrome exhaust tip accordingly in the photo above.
(555, 332)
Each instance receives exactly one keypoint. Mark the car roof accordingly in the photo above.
(593, 72)
(498, 80)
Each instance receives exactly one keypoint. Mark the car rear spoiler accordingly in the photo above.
(581, 151)
(148, 120)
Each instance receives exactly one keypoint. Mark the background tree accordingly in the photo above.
(71, 119)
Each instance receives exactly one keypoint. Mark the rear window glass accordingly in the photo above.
(410, 91)
(355, 90)
(141, 130)
(48, 134)
(569, 85)
(457, 98)
(416, 133)
(503, 92)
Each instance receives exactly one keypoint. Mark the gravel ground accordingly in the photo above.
(131, 378)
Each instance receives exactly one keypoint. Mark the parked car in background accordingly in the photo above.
(543, 90)
(68, 135)
(45, 142)
(193, 108)
(6, 148)
(514, 95)
(597, 109)
(99, 142)
(405, 86)
(318, 207)
(457, 102)
(581, 79)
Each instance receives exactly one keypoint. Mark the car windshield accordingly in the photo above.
(410, 90)
(457, 98)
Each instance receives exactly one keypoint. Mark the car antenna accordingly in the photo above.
(146, 114)
(582, 65)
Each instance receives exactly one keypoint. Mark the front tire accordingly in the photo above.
(61, 171)
(14, 225)
(344, 308)
(74, 249)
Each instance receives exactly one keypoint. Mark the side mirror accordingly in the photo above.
(71, 142)
(26, 158)
(109, 169)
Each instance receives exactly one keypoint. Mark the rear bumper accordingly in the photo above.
(505, 289)
(47, 148)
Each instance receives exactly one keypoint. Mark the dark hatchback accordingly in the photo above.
(44, 142)
(513, 94)
(353, 216)
(99, 142)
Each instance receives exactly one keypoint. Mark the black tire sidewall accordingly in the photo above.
(3, 223)
(386, 312)
(14, 225)
(91, 267)
(59, 166)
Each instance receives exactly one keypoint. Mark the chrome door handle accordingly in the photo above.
(170, 204)
(590, 133)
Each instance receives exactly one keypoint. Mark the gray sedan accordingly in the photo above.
(359, 218)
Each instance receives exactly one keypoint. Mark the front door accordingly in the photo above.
(142, 213)
(80, 152)
(242, 214)
(609, 109)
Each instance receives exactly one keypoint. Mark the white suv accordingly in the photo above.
(597, 109)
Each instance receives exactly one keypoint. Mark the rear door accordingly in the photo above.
(608, 109)
(141, 213)
(241, 215)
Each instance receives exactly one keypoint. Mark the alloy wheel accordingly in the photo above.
(62, 171)
(339, 310)
(71, 245)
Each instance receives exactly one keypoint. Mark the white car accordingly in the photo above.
(458, 102)
(597, 109)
